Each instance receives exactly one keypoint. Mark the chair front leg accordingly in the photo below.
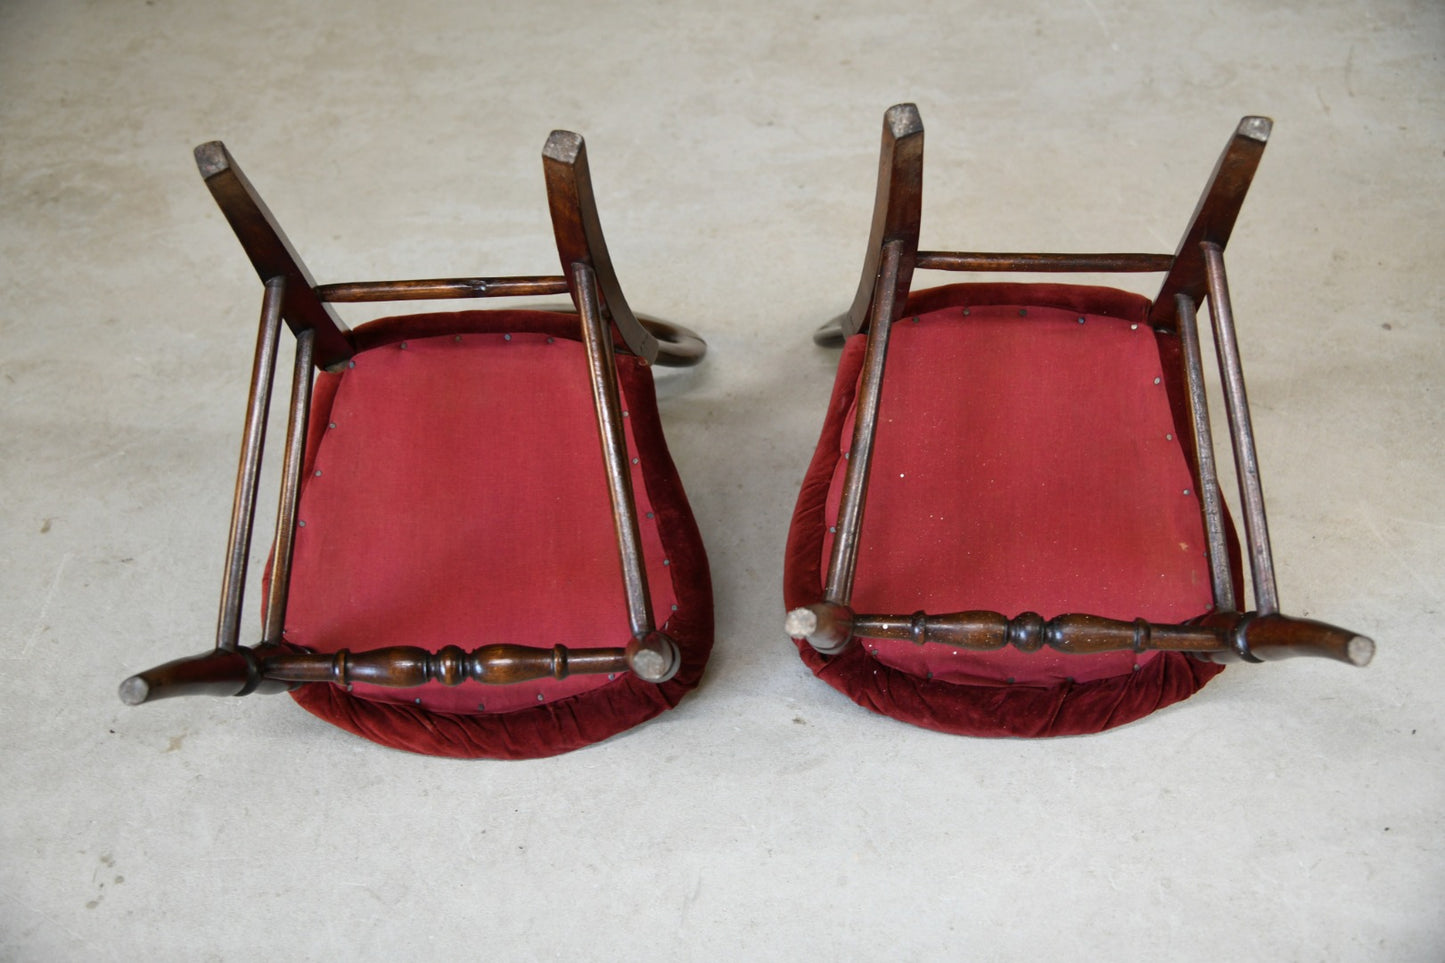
(1241, 432)
(220, 672)
(828, 625)
(660, 657)
(248, 473)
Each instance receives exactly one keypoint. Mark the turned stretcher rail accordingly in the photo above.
(404, 666)
(442, 288)
(1217, 637)
(272, 668)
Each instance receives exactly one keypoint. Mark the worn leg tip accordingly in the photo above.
(134, 691)
(654, 659)
(801, 623)
(1361, 650)
(827, 626)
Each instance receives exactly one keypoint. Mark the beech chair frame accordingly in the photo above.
(323, 341)
(1194, 273)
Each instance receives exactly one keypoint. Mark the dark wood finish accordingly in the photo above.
(442, 289)
(1241, 431)
(322, 340)
(828, 626)
(219, 672)
(1214, 217)
(602, 372)
(1028, 632)
(897, 211)
(272, 669)
(1197, 268)
(300, 415)
(248, 472)
(271, 253)
(579, 236)
(1221, 636)
(1206, 477)
(1260, 637)
(844, 559)
(653, 655)
(406, 666)
(1055, 263)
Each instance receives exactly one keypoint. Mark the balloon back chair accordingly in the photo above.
(482, 547)
(1012, 523)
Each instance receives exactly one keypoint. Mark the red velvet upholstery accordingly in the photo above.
(1024, 461)
(455, 494)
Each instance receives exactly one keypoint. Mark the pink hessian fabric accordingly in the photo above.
(454, 494)
(1023, 461)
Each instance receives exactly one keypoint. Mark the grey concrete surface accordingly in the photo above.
(1288, 812)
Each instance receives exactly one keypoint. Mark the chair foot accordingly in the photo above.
(134, 691)
(654, 658)
(1360, 650)
(1267, 638)
(827, 626)
(218, 672)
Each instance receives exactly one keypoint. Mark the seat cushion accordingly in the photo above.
(454, 494)
(1030, 455)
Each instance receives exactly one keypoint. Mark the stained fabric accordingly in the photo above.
(454, 494)
(1032, 454)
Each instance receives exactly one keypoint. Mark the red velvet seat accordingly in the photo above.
(1030, 455)
(456, 491)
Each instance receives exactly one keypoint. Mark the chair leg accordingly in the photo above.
(1241, 432)
(1207, 479)
(653, 653)
(579, 236)
(828, 625)
(301, 383)
(844, 560)
(1214, 217)
(248, 473)
(218, 673)
(271, 253)
(897, 212)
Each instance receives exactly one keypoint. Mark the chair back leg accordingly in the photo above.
(1214, 217)
(271, 253)
(897, 212)
(579, 237)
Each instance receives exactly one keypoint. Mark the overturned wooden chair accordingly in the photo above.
(1012, 523)
(482, 546)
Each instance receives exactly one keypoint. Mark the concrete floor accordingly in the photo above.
(1288, 812)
